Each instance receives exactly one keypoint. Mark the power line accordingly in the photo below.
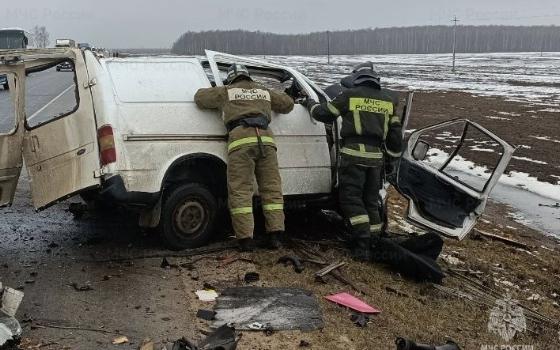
(455, 20)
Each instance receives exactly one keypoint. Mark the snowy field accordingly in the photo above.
(524, 77)
(529, 78)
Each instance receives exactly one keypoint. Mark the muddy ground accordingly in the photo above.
(50, 253)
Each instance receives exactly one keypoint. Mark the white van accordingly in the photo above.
(134, 136)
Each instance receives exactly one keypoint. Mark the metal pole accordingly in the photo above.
(328, 47)
(455, 20)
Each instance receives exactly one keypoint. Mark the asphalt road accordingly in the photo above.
(48, 94)
(45, 254)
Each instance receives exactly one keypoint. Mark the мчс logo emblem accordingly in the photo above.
(507, 319)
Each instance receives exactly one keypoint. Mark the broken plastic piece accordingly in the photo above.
(224, 338)
(10, 329)
(352, 302)
(206, 295)
(360, 319)
(405, 344)
(120, 340)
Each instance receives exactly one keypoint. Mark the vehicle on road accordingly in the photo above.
(65, 66)
(137, 139)
(12, 38)
(65, 43)
(84, 46)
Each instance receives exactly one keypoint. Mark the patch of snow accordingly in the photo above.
(545, 138)
(476, 149)
(520, 219)
(513, 114)
(550, 110)
(496, 118)
(451, 260)
(529, 160)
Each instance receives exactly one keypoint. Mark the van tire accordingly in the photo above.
(184, 203)
(6, 86)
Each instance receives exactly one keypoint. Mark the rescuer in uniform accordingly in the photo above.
(246, 107)
(371, 131)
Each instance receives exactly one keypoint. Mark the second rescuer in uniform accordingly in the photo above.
(246, 108)
(370, 128)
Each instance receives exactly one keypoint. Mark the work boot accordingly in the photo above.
(360, 248)
(245, 245)
(272, 241)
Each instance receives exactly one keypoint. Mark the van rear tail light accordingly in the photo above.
(106, 145)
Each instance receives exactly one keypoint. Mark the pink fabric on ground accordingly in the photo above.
(352, 302)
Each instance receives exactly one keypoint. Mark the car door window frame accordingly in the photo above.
(492, 180)
(76, 92)
(14, 100)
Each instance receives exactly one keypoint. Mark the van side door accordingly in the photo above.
(11, 129)
(60, 145)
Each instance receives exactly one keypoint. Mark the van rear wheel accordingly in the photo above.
(189, 216)
(6, 86)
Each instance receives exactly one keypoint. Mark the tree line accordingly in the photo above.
(398, 40)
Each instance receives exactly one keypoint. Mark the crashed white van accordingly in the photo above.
(134, 136)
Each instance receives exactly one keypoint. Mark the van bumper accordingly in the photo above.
(113, 189)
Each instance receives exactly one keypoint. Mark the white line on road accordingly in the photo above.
(50, 102)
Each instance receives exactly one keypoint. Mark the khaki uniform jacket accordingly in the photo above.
(242, 99)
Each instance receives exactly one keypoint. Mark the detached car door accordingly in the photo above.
(447, 172)
(11, 129)
(60, 145)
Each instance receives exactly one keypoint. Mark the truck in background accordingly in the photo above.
(65, 43)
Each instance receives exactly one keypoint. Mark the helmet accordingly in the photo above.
(236, 71)
(365, 73)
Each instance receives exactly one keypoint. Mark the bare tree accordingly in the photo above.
(41, 36)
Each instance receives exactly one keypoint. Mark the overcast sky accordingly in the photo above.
(156, 24)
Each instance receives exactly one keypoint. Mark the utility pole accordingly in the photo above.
(455, 20)
(328, 47)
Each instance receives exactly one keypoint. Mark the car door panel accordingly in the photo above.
(62, 154)
(439, 201)
(11, 108)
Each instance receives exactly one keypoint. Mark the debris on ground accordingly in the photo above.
(10, 329)
(223, 338)
(503, 239)
(319, 275)
(414, 257)
(451, 260)
(294, 260)
(360, 319)
(120, 340)
(282, 308)
(86, 287)
(352, 302)
(207, 295)
(406, 344)
(147, 344)
(251, 277)
(304, 344)
(207, 315)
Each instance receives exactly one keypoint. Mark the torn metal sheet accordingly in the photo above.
(279, 309)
